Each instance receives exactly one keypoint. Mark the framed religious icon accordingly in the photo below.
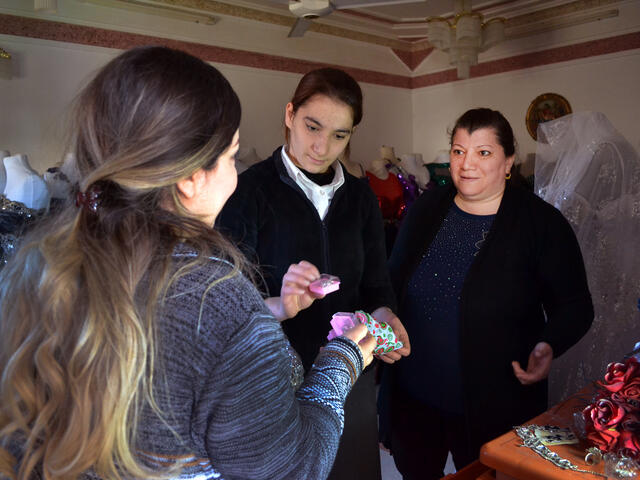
(545, 107)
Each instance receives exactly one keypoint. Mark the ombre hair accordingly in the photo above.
(77, 302)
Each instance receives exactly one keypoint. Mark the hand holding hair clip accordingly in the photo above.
(325, 284)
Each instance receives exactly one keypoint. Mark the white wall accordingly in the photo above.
(264, 94)
(607, 83)
(48, 75)
(36, 100)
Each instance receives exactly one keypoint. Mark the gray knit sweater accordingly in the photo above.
(225, 387)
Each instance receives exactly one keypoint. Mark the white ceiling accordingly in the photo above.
(406, 19)
(406, 11)
(398, 23)
(399, 11)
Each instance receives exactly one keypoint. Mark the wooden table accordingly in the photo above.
(512, 461)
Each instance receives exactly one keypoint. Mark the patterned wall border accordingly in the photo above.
(593, 48)
(78, 34)
(99, 37)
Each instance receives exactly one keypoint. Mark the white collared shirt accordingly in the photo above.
(319, 195)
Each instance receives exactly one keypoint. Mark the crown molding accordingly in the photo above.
(30, 27)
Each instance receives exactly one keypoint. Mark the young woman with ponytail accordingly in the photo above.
(132, 342)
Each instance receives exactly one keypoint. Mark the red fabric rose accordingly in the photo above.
(603, 414)
(631, 423)
(629, 394)
(618, 374)
(613, 421)
(605, 440)
(629, 444)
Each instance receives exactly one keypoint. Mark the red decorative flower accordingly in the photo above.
(629, 394)
(618, 374)
(631, 423)
(603, 415)
(613, 421)
(605, 440)
(629, 444)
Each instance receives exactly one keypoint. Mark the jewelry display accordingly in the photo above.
(529, 440)
(620, 467)
(593, 456)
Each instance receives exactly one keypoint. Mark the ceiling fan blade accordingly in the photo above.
(298, 29)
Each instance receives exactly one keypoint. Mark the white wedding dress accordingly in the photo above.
(591, 173)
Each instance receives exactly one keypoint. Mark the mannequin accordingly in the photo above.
(3, 173)
(18, 204)
(386, 185)
(23, 184)
(57, 183)
(67, 168)
(389, 155)
(439, 168)
(414, 165)
(378, 168)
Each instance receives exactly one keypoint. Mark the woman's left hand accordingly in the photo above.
(538, 366)
(384, 314)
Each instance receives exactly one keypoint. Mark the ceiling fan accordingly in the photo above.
(309, 10)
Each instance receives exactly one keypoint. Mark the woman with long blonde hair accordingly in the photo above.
(132, 342)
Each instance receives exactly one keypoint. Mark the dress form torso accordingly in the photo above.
(23, 184)
(3, 173)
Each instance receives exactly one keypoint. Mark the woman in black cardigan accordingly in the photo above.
(491, 286)
(301, 204)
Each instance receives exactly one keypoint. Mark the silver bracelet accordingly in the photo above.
(530, 440)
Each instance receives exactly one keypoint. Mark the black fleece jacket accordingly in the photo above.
(529, 267)
(275, 225)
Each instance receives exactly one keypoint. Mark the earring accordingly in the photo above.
(508, 176)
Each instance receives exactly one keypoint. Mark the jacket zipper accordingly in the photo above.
(325, 246)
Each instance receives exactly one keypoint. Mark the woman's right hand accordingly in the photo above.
(294, 294)
(365, 341)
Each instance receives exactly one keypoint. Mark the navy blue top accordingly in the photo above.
(432, 311)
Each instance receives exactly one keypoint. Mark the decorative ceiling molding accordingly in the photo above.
(165, 10)
(359, 36)
(553, 18)
(576, 7)
(619, 43)
(531, 23)
(99, 37)
(407, 36)
(412, 59)
(221, 8)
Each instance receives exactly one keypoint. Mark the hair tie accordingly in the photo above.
(89, 199)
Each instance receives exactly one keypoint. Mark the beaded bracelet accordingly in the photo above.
(352, 369)
(353, 346)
